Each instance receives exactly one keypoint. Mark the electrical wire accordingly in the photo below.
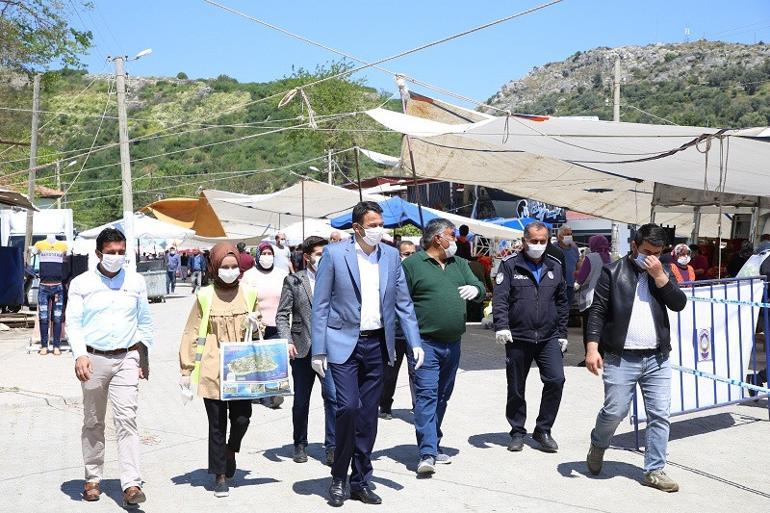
(93, 142)
(239, 175)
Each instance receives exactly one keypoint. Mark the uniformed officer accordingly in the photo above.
(530, 314)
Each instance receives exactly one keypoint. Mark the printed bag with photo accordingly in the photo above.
(254, 369)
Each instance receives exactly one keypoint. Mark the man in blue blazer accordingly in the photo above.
(360, 291)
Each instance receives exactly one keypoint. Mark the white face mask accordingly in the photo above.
(451, 250)
(567, 239)
(266, 261)
(373, 236)
(113, 263)
(683, 260)
(228, 275)
(535, 251)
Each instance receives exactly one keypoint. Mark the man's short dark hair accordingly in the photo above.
(312, 242)
(464, 230)
(109, 235)
(361, 209)
(694, 249)
(651, 233)
(241, 246)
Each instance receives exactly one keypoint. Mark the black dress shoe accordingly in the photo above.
(337, 493)
(366, 496)
(547, 444)
(516, 444)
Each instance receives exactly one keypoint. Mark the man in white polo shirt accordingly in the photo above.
(110, 329)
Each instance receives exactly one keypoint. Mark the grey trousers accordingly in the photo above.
(115, 378)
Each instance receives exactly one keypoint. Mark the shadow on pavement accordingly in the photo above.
(109, 488)
(201, 478)
(286, 453)
(610, 470)
(407, 455)
(487, 440)
(690, 427)
(320, 486)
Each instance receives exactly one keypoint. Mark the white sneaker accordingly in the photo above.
(427, 466)
(443, 459)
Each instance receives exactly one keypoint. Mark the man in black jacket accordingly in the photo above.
(530, 314)
(629, 319)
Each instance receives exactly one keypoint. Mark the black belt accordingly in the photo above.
(378, 333)
(111, 352)
(642, 352)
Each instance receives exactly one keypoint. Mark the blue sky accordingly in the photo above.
(204, 41)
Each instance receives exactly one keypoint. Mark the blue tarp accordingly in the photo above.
(395, 212)
(517, 223)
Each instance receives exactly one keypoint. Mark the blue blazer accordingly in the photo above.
(336, 319)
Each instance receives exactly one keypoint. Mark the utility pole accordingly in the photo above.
(58, 182)
(32, 165)
(329, 169)
(125, 161)
(615, 233)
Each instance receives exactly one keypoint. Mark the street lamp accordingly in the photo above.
(125, 158)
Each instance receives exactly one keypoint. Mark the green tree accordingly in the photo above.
(35, 34)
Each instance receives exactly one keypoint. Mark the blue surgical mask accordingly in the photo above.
(640, 261)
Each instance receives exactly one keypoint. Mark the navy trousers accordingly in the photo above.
(358, 383)
(304, 378)
(518, 359)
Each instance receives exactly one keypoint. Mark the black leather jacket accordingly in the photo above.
(532, 312)
(614, 295)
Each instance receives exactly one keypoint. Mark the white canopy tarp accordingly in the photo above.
(144, 228)
(321, 201)
(324, 201)
(478, 153)
(381, 158)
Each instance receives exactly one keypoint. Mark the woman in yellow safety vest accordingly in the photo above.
(222, 313)
(680, 264)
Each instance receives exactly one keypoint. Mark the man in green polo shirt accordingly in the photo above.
(440, 284)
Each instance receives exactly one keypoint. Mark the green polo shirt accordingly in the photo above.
(437, 302)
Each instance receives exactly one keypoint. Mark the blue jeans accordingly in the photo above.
(433, 383)
(621, 374)
(304, 378)
(170, 281)
(44, 294)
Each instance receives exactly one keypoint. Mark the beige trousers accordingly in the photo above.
(115, 378)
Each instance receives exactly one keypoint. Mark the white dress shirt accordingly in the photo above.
(311, 278)
(108, 313)
(369, 271)
(641, 332)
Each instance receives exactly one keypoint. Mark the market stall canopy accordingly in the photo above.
(145, 227)
(517, 223)
(320, 201)
(213, 217)
(9, 199)
(319, 227)
(577, 163)
(398, 212)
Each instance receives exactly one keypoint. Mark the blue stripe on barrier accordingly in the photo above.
(715, 378)
(721, 301)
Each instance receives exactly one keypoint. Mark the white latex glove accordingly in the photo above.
(468, 292)
(502, 337)
(419, 357)
(254, 320)
(319, 364)
(563, 343)
(185, 390)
